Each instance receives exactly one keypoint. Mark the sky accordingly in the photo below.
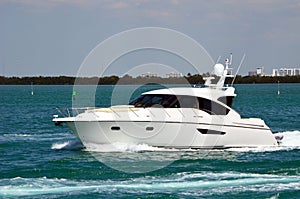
(53, 37)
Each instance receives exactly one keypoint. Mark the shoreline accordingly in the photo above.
(128, 80)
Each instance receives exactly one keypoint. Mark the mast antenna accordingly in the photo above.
(230, 61)
(218, 59)
(238, 69)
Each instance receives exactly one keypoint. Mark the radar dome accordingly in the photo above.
(219, 69)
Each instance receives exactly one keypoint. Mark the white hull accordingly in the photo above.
(191, 131)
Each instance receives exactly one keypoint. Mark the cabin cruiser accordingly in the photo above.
(186, 117)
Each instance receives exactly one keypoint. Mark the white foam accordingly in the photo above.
(16, 135)
(21, 135)
(122, 147)
(68, 145)
(290, 141)
(257, 149)
(290, 138)
(202, 183)
(59, 145)
(217, 176)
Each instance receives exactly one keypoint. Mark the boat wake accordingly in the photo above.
(123, 147)
(290, 141)
(68, 145)
(290, 138)
(186, 184)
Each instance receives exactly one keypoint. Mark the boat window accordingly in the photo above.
(180, 101)
(170, 101)
(188, 102)
(155, 101)
(115, 128)
(226, 100)
(136, 100)
(141, 101)
(166, 101)
(212, 107)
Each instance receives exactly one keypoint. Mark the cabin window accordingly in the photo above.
(141, 101)
(188, 102)
(180, 101)
(228, 100)
(155, 101)
(170, 101)
(166, 101)
(212, 107)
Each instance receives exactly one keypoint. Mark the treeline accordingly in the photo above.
(111, 80)
(264, 79)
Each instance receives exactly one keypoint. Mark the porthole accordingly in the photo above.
(149, 128)
(115, 128)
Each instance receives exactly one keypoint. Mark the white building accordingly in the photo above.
(286, 72)
(148, 74)
(252, 73)
(173, 74)
(260, 71)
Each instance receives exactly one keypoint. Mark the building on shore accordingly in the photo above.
(286, 72)
(148, 74)
(173, 74)
(258, 72)
(252, 73)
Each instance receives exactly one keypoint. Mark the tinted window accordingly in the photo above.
(226, 100)
(170, 101)
(188, 102)
(166, 101)
(140, 101)
(180, 101)
(211, 107)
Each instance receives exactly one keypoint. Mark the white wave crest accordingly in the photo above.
(290, 138)
(290, 141)
(68, 145)
(202, 184)
(122, 147)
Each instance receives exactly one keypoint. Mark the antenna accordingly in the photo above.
(218, 59)
(228, 62)
(238, 68)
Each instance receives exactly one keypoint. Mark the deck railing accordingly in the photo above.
(72, 112)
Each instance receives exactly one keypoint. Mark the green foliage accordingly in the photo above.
(127, 79)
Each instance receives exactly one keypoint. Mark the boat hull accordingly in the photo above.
(172, 134)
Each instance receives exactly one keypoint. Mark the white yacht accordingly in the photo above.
(187, 117)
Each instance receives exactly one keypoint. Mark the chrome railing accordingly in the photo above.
(72, 112)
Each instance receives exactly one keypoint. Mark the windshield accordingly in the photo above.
(180, 101)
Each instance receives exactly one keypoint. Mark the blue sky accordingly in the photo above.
(52, 37)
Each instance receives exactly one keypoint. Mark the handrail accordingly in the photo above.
(72, 112)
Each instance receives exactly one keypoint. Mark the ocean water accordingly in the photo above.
(40, 160)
